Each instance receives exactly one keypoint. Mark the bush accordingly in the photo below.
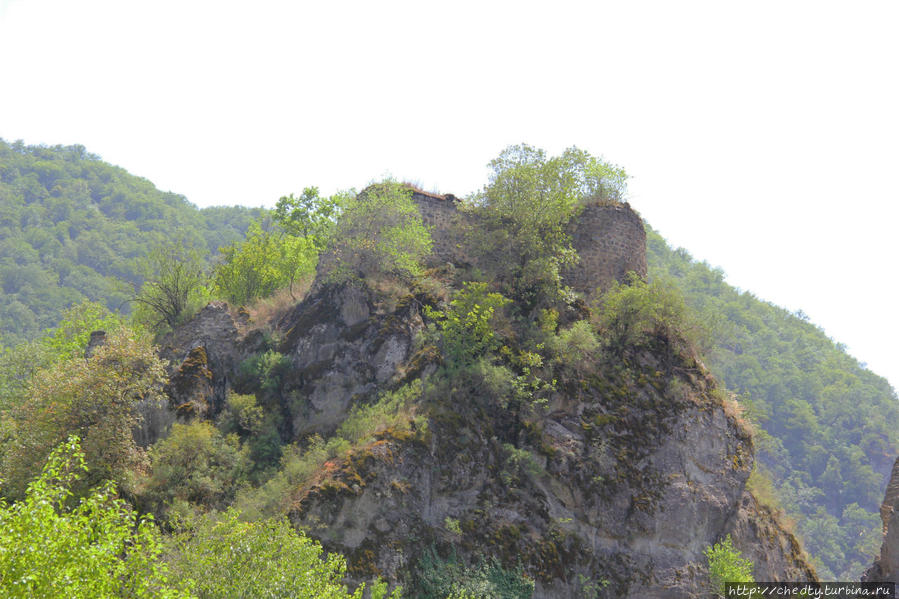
(633, 313)
(94, 398)
(380, 233)
(225, 558)
(98, 549)
(726, 564)
(438, 578)
(467, 325)
(194, 464)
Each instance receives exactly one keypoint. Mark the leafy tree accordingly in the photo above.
(175, 283)
(95, 549)
(380, 232)
(94, 398)
(261, 264)
(310, 216)
(69, 339)
(230, 559)
(525, 207)
(194, 464)
(467, 326)
(726, 564)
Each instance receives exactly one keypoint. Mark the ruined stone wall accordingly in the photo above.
(610, 240)
(442, 217)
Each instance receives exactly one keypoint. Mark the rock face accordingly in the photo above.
(627, 481)
(886, 567)
(342, 349)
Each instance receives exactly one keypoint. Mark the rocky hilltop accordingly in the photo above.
(633, 464)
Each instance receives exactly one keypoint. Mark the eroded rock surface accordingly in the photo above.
(886, 567)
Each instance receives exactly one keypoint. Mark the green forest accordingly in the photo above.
(205, 510)
(74, 228)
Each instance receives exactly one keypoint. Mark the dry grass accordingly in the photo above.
(266, 311)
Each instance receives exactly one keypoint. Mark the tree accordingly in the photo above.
(227, 558)
(95, 399)
(726, 564)
(379, 233)
(525, 208)
(310, 216)
(261, 264)
(175, 282)
(69, 338)
(93, 550)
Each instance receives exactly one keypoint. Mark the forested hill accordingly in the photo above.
(73, 227)
(831, 421)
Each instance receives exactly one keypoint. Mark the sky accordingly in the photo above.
(763, 137)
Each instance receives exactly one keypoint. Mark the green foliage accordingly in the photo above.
(394, 410)
(635, 313)
(264, 371)
(524, 210)
(438, 578)
(95, 549)
(261, 264)
(69, 338)
(379, 233)
(241, 415)
(224, 558)
(576, 347)
(93, 398)
(829, 438)
(310, 215)
(73, 228)
(174, 285)
(519, 463)
(726, 564)
(195, 464)
(467, 325)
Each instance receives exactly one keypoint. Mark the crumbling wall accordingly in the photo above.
(609, 239)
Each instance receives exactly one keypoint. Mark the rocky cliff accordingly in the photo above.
(613, 484)
(886, 567)
(616, 490)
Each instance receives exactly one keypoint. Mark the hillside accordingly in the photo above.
(73, 227)
(831, 422)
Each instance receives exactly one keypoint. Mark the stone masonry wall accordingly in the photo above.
(609, 239)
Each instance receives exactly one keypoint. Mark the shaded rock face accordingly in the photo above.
(886, 567)
(203, 356)
(342, 349)
(204, 353)
(628, 483)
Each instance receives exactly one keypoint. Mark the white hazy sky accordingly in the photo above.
(761, 136)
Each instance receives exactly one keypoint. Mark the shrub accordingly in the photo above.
(223, 558)
(97, 549)
(379, 233)
(438, 578)
(467, 325)
(633, 313)
(194, 464)
(94, 398)
(726, 564)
